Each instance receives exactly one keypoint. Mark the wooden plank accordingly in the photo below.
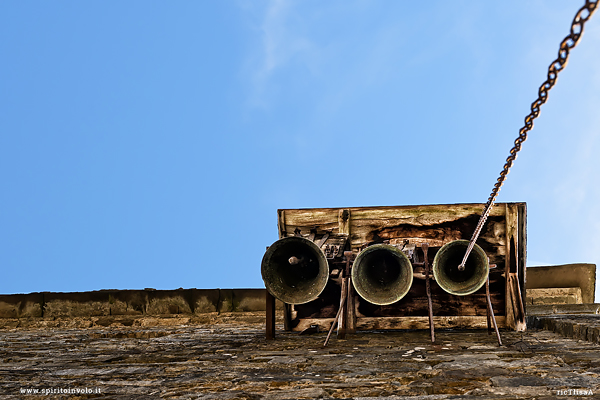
(518, 308)
(451, 322)
(326, 219)
(442, 223)
(413, 304)
(416, 214)
(366, 324)
(512, 231)
(509, 304)
(522, 229)
(510, 262)
(344, 222)
(281, 224)
(423, 215)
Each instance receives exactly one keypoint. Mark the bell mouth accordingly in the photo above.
(454, 281)
(382, 274)
(295, 270)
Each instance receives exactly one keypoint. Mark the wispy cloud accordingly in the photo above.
(281, 42)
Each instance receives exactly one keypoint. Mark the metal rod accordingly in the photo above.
(321, 242)
(491, 310)
(487, 309)
(425, 247)
(342, 322)
(350, 310)
(350, 317)
(489, 320)
(336, 318)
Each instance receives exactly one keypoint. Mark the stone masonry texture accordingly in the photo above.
(226, 356)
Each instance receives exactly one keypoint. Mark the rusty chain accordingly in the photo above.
(569, 42)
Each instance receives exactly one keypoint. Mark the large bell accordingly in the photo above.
(382, 274)
(450, 278)
(295, 270)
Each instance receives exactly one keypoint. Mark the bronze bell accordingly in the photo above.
(295, 270)
(450, 278)
(382, 274)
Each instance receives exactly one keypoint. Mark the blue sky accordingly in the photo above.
(149, 144)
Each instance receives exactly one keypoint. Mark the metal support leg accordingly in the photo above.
(425, 247)
(343, 318)
(337, 317)
(489, 318)
(491, 310)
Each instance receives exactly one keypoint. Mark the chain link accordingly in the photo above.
(569, 42)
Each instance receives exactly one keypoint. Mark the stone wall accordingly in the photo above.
(581, 276)
(229, 359)
(131, 303)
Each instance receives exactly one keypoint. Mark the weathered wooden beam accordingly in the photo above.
(472, 322)
(344, 222)
(509, 265)
(365, 324)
